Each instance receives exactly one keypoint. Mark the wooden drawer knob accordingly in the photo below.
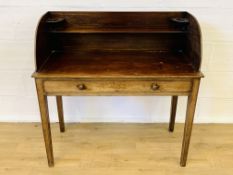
(81, 86)
(154, 86)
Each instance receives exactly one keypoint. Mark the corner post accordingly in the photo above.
(60, 113)
(43, 104)
(173, 113)
(192, 99)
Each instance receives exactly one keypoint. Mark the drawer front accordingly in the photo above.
(122, 87)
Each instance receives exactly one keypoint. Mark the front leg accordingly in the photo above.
(45, 121)
(192, 99)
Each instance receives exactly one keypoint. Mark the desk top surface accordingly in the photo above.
(116, 64)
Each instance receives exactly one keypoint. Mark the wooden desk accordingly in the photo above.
(117, 53)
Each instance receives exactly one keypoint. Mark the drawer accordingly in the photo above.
(122, 87)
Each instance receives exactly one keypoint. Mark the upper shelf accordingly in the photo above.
(115, 22)
(116, 30)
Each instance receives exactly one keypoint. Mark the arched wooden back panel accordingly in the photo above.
(176, 33)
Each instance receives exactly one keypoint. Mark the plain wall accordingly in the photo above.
(18, 100)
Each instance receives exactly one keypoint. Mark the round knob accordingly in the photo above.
(154, 86)
(81, 86)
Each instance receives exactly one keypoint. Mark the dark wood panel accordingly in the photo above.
(193, 43)
(43, 44)
(117, 41)
(108, 20)
(118, 31)
(71, 29)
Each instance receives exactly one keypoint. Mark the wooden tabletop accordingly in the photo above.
(116, 64)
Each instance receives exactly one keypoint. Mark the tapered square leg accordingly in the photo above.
(45, 121)
(173, 113)
(60, 113)
(192, 99)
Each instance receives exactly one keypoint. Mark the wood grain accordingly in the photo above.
(116, 87)
(112, 20)
(150, 31)
(120, 148)
(122, 64)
